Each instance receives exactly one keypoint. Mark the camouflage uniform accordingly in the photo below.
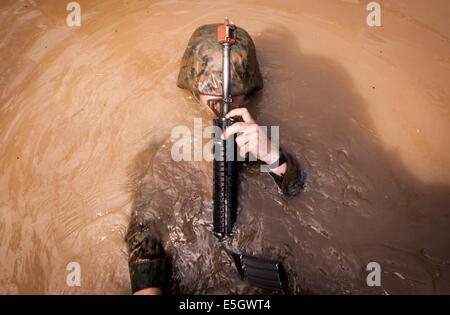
(292, 182)
(147, 263)
(201, 73)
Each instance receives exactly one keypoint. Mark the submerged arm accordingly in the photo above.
(147, 263)
(293, 179)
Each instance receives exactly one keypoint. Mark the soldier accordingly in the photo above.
(201, 73)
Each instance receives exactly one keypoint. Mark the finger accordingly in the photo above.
(253, 145)
(249, 146)
(244, 150)
(249, 143)
(242, 139)
(234, 128)
(242, 112)
(250, 130)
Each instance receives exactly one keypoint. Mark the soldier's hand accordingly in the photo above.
(252, 138)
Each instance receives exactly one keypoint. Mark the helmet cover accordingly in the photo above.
(201, 66)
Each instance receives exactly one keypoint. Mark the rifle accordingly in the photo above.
(263, 273)
(225, 165)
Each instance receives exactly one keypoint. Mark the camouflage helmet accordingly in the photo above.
(201, 66)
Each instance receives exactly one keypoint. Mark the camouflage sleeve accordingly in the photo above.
(293, 181)
(147, 263)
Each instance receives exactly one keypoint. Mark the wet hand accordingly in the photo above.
(252, 139)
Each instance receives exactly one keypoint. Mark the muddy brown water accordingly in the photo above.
(86, 115)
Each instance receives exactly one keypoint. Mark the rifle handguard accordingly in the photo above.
(225, 181)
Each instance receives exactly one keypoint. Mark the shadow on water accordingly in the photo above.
(361, 203)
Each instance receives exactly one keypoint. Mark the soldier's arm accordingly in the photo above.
(292, 181)
(147, 263)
